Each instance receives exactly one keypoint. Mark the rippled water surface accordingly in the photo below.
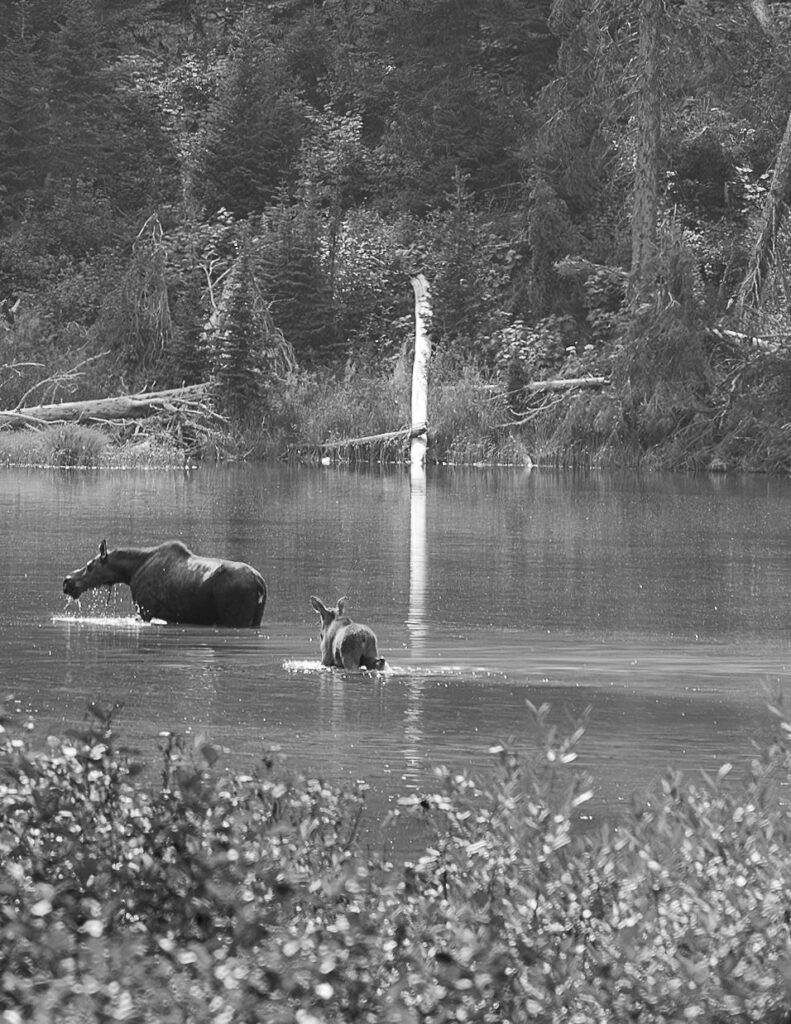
(661, 602)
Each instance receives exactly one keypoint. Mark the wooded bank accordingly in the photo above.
(238, 192)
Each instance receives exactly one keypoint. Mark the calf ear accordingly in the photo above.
(318, 605)
(103, 551)
(341, 602)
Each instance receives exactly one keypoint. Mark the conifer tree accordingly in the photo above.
(23, 119)
(295, 281)
(646, 185)
(435, 81)
(254, 128)
(80, 91)
(237, 362)
(187, 360)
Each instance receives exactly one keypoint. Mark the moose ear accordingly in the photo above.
(103, 551)
(318, 605)
(341, 602)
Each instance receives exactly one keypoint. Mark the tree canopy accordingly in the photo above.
(502, 146)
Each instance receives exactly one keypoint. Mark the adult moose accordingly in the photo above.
(169, 582)
(345, 644)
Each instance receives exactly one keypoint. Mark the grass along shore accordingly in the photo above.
(470, 421)
(474, 417)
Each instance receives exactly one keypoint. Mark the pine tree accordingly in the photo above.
(237, 362)
(137, 314)
(80, 92)
(23, 118)
(187, 360)
(435, 83)
(294, 280)
(646, 184)
(254, 128)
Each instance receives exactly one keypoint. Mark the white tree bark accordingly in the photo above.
(763, 16)
(419, 443)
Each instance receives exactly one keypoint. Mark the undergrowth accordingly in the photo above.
(74, 446)
(732, 413)
(62, 446)
(214, 896)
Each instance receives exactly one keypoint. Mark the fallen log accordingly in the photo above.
(321, 449)
(391, 435)
(122, 407)
(566, 383)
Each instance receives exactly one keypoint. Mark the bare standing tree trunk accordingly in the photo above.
(646, 179)
(762, 15)
(775, 209)
(422, 291)
(777, 201)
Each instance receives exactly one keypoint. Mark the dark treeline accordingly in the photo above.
(193, 190)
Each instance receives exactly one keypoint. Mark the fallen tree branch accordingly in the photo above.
(122, 407)
(566, 383)
(545, 407)
(317, 447)
(60, 379)
(405, 432)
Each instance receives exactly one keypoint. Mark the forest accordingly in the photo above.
(231, 198)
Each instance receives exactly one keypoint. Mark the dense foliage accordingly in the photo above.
(239, 193)
(213, 896)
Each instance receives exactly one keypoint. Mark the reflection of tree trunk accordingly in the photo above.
(774, 211)
(646, 179)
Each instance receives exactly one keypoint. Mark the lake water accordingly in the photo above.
(662, 602)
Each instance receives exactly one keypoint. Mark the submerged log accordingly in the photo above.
(122, 407)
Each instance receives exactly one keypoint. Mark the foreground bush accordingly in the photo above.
(219, 897)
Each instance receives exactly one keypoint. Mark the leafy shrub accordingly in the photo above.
(525, 353)
(372, 298)
(213, 896)
(473, 262)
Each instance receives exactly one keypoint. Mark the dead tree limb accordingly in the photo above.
(567, 383)
(61, 380)
(774, 212)
(122, 407)
(392, 435)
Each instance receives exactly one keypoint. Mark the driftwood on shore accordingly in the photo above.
(190, 398)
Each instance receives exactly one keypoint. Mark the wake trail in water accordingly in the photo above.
(309, 666)
(104, 621)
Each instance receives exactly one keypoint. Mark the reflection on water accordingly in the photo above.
(416, 619)
(660, 602)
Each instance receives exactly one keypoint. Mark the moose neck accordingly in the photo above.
(126, 561)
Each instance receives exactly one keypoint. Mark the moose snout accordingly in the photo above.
(70, 587)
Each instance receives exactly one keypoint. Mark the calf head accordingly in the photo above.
(332, 620)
